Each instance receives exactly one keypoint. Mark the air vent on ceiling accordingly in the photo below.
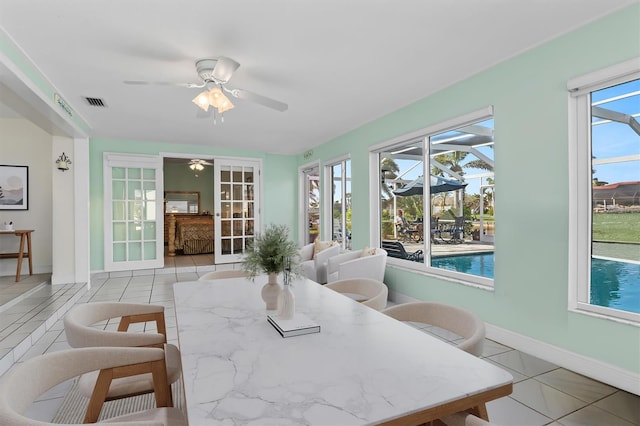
(96, 102)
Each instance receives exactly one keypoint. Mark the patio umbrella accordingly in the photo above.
(438, 184)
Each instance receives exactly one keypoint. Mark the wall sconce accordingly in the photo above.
(63, 162)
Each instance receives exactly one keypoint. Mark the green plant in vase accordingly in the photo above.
(272, 253)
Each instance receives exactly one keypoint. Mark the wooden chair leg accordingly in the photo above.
(98, 396)
(161, 386)
(480, 411)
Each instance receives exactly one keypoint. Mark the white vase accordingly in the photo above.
(286, 303)
(270, 292)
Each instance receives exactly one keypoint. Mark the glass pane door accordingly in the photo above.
(133, 236)
(312, 204)
(237, 207)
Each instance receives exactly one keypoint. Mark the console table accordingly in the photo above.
(24, 234)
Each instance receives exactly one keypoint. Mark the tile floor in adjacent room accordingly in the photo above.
(543, 393)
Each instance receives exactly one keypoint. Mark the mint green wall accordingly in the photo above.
(530, 99)
(279, 177)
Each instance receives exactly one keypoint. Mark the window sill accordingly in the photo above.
(445, 275)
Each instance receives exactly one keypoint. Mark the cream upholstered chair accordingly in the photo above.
(365, 263)
(369, 292)
(471, 420)
(464, 419)
(313, 261)
(26, 381)
(460, 321)
(216, 275)
(80, 331)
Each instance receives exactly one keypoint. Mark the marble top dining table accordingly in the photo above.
(362, 368)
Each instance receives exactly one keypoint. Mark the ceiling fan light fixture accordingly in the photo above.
(196, 167)
(214, 98)
(218, 100)
(202, 100)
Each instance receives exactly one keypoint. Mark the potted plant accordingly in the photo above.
(272, 253)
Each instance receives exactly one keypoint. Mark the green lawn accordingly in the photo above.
(620, 227)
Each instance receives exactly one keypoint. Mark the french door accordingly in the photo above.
(133, 234)
(310, 198)
(237, 207)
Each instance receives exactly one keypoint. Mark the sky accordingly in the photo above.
(611, 140)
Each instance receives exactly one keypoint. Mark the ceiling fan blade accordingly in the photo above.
(259, 99)
(224, 69)
(159, 83)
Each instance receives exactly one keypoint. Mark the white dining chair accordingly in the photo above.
(81, 332)
(460, 321)
(369, 292)
(217, 275)
(26, 381)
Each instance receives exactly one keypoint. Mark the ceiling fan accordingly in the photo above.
(197, 164)
(214, 74)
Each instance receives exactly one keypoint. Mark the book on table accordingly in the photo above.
(296, 326)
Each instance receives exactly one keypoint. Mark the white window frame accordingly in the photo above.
(327, 195)
(580, 186)
(375, 182)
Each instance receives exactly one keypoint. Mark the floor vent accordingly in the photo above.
(96, 102)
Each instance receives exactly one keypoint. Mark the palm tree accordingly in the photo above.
(389, 169)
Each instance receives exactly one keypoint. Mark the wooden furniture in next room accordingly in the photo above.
(24, 234)
(193, 234)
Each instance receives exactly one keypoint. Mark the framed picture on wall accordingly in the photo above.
(14, 187)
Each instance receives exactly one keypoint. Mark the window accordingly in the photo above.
(457, 157)
(606, 256)
(338, 174)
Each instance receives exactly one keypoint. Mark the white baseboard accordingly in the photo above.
(63, 279)
(595, 369)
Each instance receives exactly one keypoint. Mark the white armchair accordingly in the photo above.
(366, 263)
(314, 265)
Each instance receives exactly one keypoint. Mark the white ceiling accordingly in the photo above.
(337, 63)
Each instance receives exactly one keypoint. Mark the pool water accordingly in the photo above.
(480, 264)
(615, 284)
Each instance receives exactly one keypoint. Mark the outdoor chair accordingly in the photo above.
(81, 332)
(409, 233)
(455, 231)
(365, 263)
(25, 382)
(435, 230)
(371, 293)
(396, 249)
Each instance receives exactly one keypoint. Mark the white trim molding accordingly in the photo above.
(593, 368)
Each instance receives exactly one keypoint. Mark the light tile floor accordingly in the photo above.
(543, 394)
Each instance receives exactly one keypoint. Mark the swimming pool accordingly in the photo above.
(480, 264)
(615, 284)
